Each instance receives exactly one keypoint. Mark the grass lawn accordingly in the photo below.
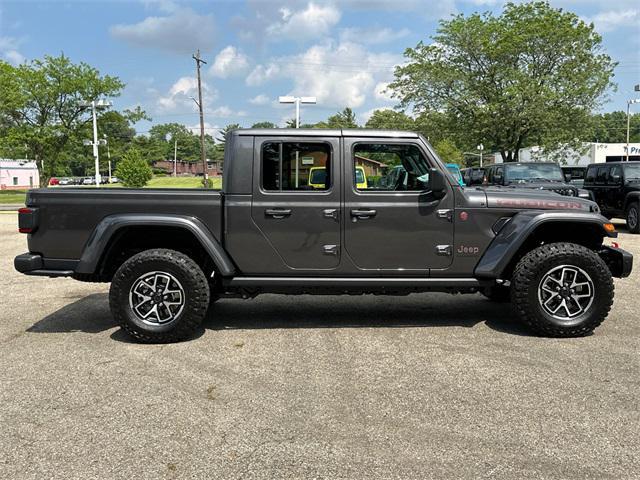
(12, 196)
(181, 182)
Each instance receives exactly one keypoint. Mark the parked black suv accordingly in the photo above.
(574, 175)
(616, 188)
(533, 175)
(473, 176)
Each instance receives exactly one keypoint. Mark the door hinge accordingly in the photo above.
(444, 250)
(330, 249)
(445, 214)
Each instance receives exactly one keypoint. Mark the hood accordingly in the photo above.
(526, 198)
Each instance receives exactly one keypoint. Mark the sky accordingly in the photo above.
(342, 52)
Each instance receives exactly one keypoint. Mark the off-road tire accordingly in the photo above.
(195, 296)
(632, 217)
(526, 282)
(497, 293)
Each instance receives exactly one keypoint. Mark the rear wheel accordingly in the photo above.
(159, 296)
(562, 290)
(632, 217)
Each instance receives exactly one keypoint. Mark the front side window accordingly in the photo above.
(602, 175)
(389, 166)
(591, 175)
(292, 166)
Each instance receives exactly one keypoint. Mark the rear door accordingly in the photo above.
(393, 226)
(301, 222)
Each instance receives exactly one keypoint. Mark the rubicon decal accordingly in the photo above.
(545, 204)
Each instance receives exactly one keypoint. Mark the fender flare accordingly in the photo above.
(630, 197)
(110, 225)
(515, 232)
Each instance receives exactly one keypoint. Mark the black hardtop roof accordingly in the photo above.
(522, 163)
(319, 132)
(630, 162)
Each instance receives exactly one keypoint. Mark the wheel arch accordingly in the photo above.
(629, 198)
(528, 230)
(117, 237)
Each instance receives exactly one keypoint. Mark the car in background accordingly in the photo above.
(318, 177)
(473, 175)
(65, 181)
(454, 170)
(88, 181)
(533, 175)
(574, 175)
(115, 180)
(53, 181)
(616, 188)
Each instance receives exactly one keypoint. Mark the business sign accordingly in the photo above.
(307, 160)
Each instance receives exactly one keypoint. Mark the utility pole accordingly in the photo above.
(203, 153)
(108, 154)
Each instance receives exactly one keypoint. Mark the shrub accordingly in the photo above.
(133, 170)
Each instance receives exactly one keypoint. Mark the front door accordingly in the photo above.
(392, 225)
(296, 201)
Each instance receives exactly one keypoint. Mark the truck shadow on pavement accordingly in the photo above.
(91, 314)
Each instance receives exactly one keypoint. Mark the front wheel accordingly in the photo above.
(562, 290)
(632, 217)
(159, 296)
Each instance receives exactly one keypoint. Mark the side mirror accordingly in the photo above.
(616, 179)
(437, 183)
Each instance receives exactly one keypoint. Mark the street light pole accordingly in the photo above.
(481, 149)
(94, 105)
(637, 100)
(297, 101)
(108, 154)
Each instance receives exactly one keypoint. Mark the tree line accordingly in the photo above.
(532, 75)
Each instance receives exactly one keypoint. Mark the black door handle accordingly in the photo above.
(363, 214)
(277, 212)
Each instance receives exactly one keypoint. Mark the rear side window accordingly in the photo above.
(291, 166)
(591, 175)
(601, 177)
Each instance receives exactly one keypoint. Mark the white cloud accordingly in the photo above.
(179, 98)
(381, 93)
(372, 36)
(260, 74)
(261, 99)
(614, 19)
(229, 62)
(9, 50)
(312, 22)
(339, 75)
(182, 31)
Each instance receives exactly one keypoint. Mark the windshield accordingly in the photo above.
(534, 172)
(318, 176)
(359, 176)
(632, 172)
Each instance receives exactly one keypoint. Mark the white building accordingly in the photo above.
(589, 153)
(18, 174)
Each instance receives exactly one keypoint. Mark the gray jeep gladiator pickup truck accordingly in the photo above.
(277, 228)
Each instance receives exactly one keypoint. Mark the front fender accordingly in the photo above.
(107, 228)
(511, 237)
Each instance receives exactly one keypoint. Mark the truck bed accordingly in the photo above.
(68, 216)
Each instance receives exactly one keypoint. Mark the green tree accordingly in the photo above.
(264, 125)
(43, 108)
(449, 153)
(133, 170)
(612, 127)
(344, 119)
(390, 120)
(533, 74)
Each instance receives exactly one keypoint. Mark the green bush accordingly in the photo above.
(133, 170)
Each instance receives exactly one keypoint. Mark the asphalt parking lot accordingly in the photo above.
(424, 386)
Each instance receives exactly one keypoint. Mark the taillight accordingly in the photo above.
(27, 220)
